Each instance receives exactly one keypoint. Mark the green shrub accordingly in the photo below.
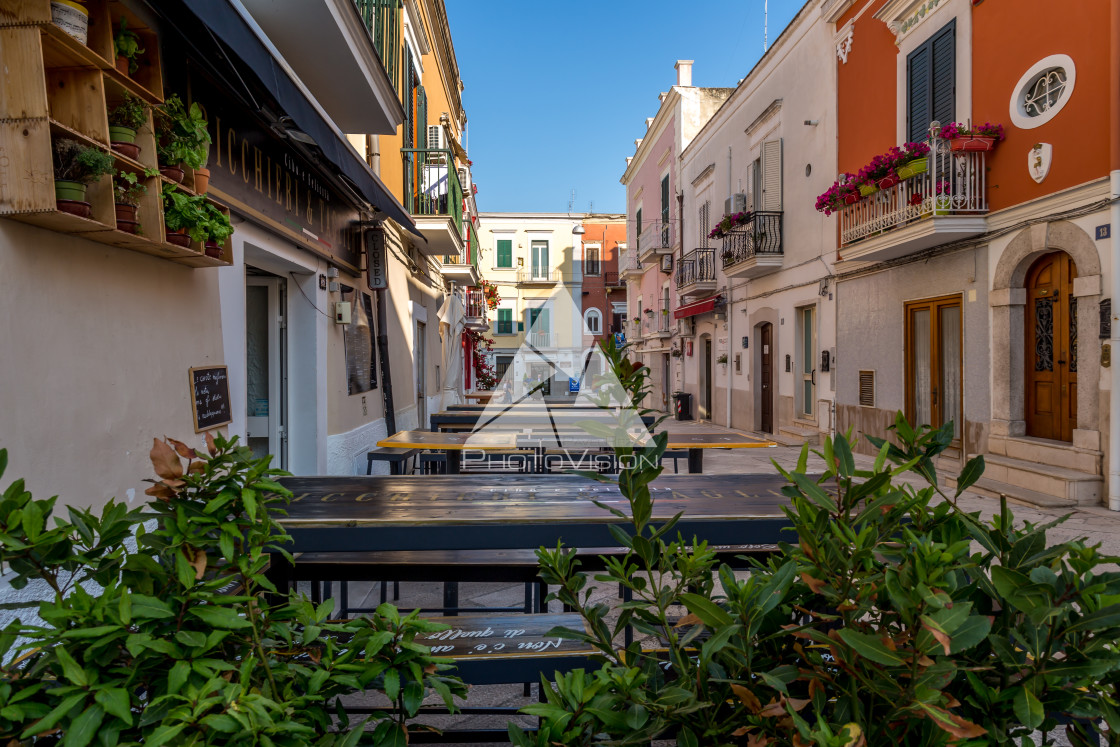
(181, 135)
(894, 617)
(187, 642)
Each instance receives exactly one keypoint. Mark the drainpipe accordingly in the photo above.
(383, 353)
(1114, 215)
(730, 347)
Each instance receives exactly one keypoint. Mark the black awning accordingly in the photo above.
(240, 39)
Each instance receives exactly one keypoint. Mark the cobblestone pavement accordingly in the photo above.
(1095, 523)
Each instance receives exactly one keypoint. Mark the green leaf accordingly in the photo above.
(413, 697)
(71, 670)
(870, 647)
(846, 462)
(708, 611)
(970, 474)
(83, 729)
(191, 638)
(115, 702)
(163, 735)
(392, 684)
(57, 714)
(970, 632)
(178, 676)
(814, 492)
(144, 606)
(220, 617)
(1028, 708)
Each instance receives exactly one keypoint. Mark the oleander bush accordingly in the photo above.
(174, 635)
(892, 616)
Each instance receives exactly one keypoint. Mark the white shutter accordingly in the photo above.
(705, 223)
(727, 206)
(750, 185)
(435, 137)
(772, 175)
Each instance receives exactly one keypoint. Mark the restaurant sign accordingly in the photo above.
(258, 174)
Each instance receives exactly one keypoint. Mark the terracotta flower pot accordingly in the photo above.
(125, 212)
(972, 144)
(174, 173)
(201, 180)
(122, 65)
(178, 237)
(213, 249)
(74, 207)
(128, 226)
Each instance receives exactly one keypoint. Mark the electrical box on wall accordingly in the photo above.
(342, 312)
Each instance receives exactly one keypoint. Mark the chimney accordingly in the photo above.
(684, 72)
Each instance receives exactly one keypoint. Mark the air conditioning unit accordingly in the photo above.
(740, 202)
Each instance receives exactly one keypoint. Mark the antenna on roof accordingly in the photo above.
(765, 25)
(571, 200)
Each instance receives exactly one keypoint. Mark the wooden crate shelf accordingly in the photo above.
(147, 81)
(145, 136)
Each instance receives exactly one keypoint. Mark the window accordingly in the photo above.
(617, 318)
(504, 251)
(705, 223)
(665, 210)
(539, 336)
(540, 260)
(1043, 91)
(933, 362)
(931, 83)
(808, 372)
(638, 222)
(770, 176)
(591, 261)
(593, 322)
(505, 322)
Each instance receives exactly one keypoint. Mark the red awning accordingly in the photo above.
(700, 307)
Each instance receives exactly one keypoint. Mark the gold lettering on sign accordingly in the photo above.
(268, 176)
(288, 190)
(330, 497)
(278, 172)
(364, 497)
(218, 139)
(300, 497)
(230, 137)
(244, 171)
(257, 169)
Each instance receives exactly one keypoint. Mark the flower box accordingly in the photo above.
(866, 190)
(852, 198)
(889, 181)
(972, 144)
(913, 168)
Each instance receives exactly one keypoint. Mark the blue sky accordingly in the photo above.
(556, 93)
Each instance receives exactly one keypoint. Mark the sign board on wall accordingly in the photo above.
(259, 174)
(210, 397)
(375, 259)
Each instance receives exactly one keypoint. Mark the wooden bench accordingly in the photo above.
(397, 459)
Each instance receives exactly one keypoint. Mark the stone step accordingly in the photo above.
(798, 435)
(1062, 483)
(1044, 451)
(990, 488)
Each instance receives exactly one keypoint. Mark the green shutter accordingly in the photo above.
(505, 321)
(505, 253)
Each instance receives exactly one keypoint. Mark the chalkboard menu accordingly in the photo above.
(210, 397)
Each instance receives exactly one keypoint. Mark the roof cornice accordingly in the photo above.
(664, 112)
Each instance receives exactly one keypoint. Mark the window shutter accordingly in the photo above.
(705, 223)
(919, 111)
(435, 137)
(505, 253)
(772, 175)
(867, 388)
(750, 185)
(944, 74)
(638, 223)
(665, 200)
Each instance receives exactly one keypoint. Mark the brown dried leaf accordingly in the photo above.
(815, 584)
(315, 655)
(816, 686)
(798, 741)
(925, 661)
(772, 709)
(689, 619)
(797, 703)
(806, 549)
(211, 447)
(161, 491)
(951, 702)
(758, 740)
(855, 735)
(747, 698)
(196, 466)
(182, 449)
(740, 731)
(197, 559)
(953, 724)
(164, 460)
(940, 635)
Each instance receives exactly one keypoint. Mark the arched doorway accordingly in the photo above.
(766, 378)
(1051, 348)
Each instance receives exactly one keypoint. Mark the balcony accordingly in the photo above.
(458, 268)
(613, 280)
(696, 273)
(540, 340)
(664, 320)
(434, 199)
(352, 76)
(628, 265)
(539, 276)
(946, 203)
(657, 238)
(476, 310)
(754, 248)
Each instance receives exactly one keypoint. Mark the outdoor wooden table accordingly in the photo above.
(478, 512)
(515, 416)
(454, 444)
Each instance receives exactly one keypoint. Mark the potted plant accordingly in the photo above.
(124, 120)
(729, 221)
(913, 161)
(128, 190)
(980, 138)
(76, 166)
(842, 192)
(870, 177)
(722, 358)
(127, 46)
(184, 216)
(217, 227)
(182, 138)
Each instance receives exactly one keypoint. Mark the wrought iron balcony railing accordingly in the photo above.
(613, 280)
(476, 303)
(540, 276)
(540, 339)
(954, 184)
(761, 235)
(628, 262)
(664, 316)
(697, 266)
(382, 18)
(431, 184)
(656, 237)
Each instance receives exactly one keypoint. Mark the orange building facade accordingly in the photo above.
(978, 290)
(603, 292)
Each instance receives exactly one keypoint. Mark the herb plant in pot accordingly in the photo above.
(76, 166)
(124, 120)
(218, 229)
(128, 190)
(184, 215)
(181, 138)
(127, 46)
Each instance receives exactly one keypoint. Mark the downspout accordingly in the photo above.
(1114, 215)
(383, 353)
(730, 347)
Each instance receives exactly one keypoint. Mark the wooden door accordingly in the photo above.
(1051, 348)
(706, 394)
(766, 379)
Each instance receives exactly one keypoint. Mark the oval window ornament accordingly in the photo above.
(1043, 91)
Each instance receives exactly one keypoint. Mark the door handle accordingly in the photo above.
(814, 375)
(934, 393)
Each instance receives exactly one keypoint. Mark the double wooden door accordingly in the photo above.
(1051, 348)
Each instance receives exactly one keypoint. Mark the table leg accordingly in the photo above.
(454, 460)
(451, 598)
(695, 461)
